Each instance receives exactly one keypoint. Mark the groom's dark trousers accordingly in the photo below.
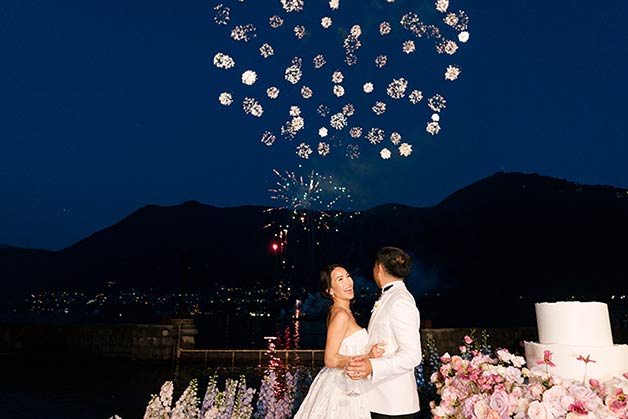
(380, 416)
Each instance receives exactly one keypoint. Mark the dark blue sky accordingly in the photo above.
(107, 106)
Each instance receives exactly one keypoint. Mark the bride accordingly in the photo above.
(332, 394)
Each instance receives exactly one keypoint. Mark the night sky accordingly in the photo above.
(108, 106)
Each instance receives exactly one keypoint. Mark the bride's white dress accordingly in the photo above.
(327, 397)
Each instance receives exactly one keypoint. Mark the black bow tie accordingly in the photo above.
(383, 290)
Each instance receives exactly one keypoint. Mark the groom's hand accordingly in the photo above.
(359, 368)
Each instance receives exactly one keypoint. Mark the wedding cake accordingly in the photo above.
(579, 337)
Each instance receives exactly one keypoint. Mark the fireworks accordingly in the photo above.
(309, 198)
(410, 43)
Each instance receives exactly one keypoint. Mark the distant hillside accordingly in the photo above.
(508, 236)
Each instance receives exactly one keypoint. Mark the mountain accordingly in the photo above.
(506, 237)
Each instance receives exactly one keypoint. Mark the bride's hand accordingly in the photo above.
(377, 350)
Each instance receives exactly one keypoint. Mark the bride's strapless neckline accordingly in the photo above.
(357, 331)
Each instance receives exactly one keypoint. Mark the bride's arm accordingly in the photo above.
(338, 325)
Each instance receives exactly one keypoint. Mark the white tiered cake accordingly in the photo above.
(570, 329)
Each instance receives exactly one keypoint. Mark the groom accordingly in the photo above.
(395, 321)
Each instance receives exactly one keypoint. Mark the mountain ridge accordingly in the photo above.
(546, 237)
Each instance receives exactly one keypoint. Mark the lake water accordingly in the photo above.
(42, 388)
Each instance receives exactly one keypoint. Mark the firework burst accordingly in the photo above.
(317, 59)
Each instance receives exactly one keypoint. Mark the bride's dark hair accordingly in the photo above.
(325, 283)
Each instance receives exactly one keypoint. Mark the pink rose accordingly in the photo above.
(499, 402)
(468, 340)
(480, 409)
(468, 407)
(462, 349)
(538, 410)
(535, 389)
(552, 397)
(585, 395)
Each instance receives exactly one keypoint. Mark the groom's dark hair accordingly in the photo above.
(395, 261)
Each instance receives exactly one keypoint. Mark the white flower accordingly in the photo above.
(385, 153)
(375, 306)
(463, 36)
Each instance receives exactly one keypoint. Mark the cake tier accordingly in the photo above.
(609, 362)
(574, 323)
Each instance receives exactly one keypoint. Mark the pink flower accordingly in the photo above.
(618, 403)
(625, 375)
(445, 358)
(578, 407)
(547, 359)
(538, 410)
(499, 402)
(463, 349)
(585, 360)
(594, 383)
(468, 340)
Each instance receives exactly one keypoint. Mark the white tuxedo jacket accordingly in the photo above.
(395, 320)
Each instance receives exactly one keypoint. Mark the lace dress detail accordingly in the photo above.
(327, 396)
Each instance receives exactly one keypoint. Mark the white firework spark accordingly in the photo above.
(319, 61)
(304, 151)
(415, 96)
(338, 90)
(384, 28)
(442, 5)
(275, 21)
(323, 148)
(353, 151)
(375, 135)
(338, 121)
(266, 50)
(252, 107)
(272, 92)
(355, 132)
(222, 15)
(293, 72)
(223, 61)
(381, 60)
(295, 111)
(348, 109)
(299, 31)
(397, 88)
(306, 92)
(379, 108)
(244, 32)
(249, 77)
(292, 5)
(433, 127)
(408, 47)
(452, 72)
(225, 99)
(436, 103)
(268, 138)
(405, 149)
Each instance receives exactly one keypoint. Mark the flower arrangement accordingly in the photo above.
(278, 398)
(476, 385)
